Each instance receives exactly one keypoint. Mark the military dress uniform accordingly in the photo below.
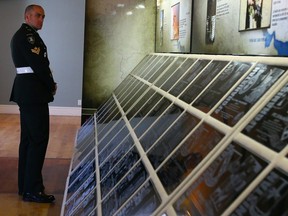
(32, 90)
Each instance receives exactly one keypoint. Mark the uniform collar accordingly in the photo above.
(30, 27)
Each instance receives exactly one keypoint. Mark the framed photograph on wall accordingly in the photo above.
(255, 14)
(175, 9)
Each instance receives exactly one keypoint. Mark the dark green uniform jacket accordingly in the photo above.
(29, 50)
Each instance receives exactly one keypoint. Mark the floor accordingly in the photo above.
(60, 149)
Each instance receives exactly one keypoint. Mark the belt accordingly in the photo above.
(24, 70)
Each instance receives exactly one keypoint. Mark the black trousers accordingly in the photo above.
(33, 145)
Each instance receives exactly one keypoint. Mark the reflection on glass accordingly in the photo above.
(80, 195)
(157, 107)
(129, 91)
(87, 205)
(221, 183)
(170, 71)
(188, 77)
(247, 93)
(269, 198)
(116, 150)
(115, 137)
(203, 80)
(163, 68)
(87, 128)
(117, 172)
(161, 124)
(143, 64)
(136, 108)
(221, 85)
(154, 67)
(123, 86)
(81, 179)
(133, 98)
(188, 156)
(270, 125)
(76, 171)
(144, 202)
(177, 74)
(80, 154)
(171, 138)
(124, 189)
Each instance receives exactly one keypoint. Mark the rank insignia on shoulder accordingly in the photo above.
(31, 39)
(36, 50)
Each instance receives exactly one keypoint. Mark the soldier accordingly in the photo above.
(33, 89)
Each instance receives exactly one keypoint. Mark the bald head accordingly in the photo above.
(34, 16)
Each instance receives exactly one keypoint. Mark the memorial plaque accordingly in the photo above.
(188, 77)
(85, 129)
(154, 67)
(270, 197)
(135, 109)
(82, 153)
(130, 90)
(151, 115)
(124, 189)
(87, 205)
(247, 93)
(176, 75)
(108, 152)
(221, 85)
(170, 71)
(123, 85)
(160, 125)
(142, 64)
(144, 202)
(107, 163)
(202, 81)
(105, 138)
(270, 125)
(114, 141)
(86, 174)
(117, 172)
(222, 182)
(80, 195)
(76, 171)
(163, 67)
(188, 156)
(104, 108)
(139, 91)
(171, 138)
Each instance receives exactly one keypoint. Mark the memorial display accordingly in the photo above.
(197, 135)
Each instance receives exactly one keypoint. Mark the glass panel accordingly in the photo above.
(247, 93)
(158, 128)
(124, 190)
(172, 137)
(221, 183)
(202, 81)
(269, 198)
(144, 202)
(270, 125)
(188, 156)
(188, 77)
(221, 85)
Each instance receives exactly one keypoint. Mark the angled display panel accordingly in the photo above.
(186, 135)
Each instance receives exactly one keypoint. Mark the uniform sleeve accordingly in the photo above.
(35, 54)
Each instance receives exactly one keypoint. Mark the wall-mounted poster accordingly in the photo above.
(175, 21)
(210, 21)
(244, 27)
(173, 26)
(255, 14)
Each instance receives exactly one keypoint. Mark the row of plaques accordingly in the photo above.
(109, 176)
